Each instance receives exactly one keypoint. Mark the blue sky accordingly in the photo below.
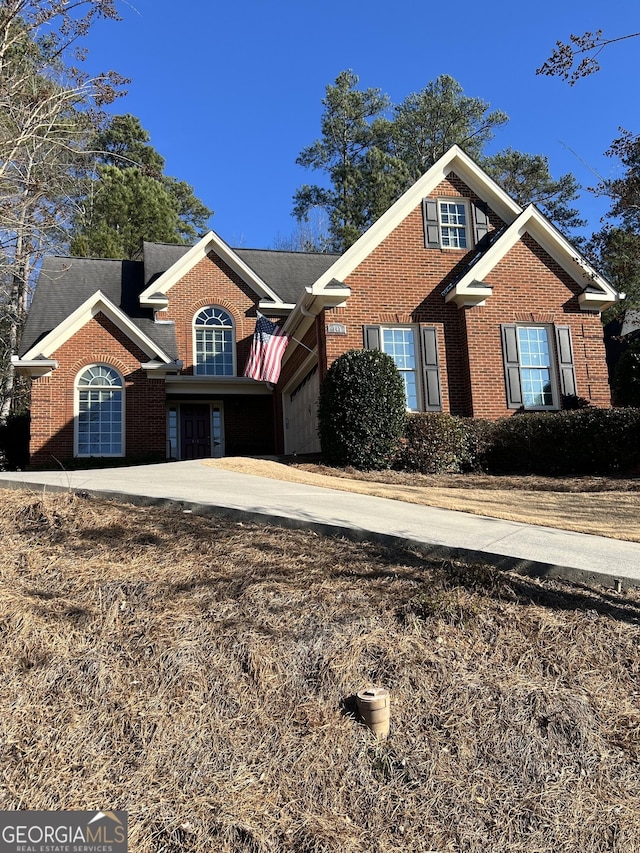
(231, 93)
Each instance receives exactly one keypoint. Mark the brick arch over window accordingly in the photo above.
(99, 412)
(101, 358)
(214, 342)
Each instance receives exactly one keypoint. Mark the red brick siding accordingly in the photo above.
(402, 282)
(211, 282)
(53, 396)
(529, 287)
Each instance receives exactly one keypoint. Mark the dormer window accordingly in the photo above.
(214, 342)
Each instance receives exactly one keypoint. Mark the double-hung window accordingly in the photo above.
(214, 342)
(400, 344)
(535, 367)
(453, 224)
(538, 365)
(414, 350)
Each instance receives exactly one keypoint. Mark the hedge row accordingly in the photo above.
(580, 442)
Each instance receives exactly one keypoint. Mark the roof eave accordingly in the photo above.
(469, 296)
(591, 301)
(34, 367)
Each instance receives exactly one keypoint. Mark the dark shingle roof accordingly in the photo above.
(158, 257)
(287, 273)
(65, 283)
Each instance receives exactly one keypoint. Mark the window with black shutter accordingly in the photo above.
(538, 365)
(414, 350)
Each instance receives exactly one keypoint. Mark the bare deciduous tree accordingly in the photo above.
(48, 109)
(565, 61)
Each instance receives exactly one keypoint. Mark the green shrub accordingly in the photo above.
(441, 443)
(578, 442)
(581, 442)
(361, 411)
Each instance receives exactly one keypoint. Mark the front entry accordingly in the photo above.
(195, 432)
(201, 430)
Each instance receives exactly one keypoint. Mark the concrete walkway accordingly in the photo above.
(201, 488)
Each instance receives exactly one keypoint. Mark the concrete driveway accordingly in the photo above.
(200, 488)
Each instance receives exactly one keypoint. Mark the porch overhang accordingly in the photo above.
(215, 386)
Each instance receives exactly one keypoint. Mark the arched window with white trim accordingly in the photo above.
(100, 412)
(214, 342)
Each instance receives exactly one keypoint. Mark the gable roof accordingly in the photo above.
(456, 161)
(596, 293)
(96, 304)
(66, 283)
(155, 293)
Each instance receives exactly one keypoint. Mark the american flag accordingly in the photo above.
(267, 348)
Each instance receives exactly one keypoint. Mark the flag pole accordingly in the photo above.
(312, 351)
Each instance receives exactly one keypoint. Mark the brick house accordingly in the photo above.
(485, 307)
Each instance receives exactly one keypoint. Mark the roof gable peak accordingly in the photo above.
(97, 303)
(454, 160)
(155, 295)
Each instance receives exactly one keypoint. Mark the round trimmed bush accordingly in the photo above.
(361, 412)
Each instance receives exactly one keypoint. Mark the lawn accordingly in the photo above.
(199, 673)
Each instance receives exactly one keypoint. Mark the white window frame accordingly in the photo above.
(552, 367)
(417, 355)
(78, 390)
(457, 229)
(197, 371)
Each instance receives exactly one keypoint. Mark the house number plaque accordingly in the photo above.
(336, 329)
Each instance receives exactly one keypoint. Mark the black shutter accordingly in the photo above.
(480, 222)
(566, 369)
(371, 335)
(511, 366)
(431, 228)
(431, 369)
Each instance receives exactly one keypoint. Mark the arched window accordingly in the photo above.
(214, 343)
(100, 408)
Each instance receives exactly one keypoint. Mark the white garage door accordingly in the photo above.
(301, 415)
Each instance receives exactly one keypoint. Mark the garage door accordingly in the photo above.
(301, 416)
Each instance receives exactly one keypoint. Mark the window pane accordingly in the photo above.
(534, 346)
(535, 363)
(453, 222)
(99, 424)
(536, 388)
(214, 342)
(400, 345)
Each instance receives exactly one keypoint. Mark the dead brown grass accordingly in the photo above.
(599, 505)
(199, 673)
